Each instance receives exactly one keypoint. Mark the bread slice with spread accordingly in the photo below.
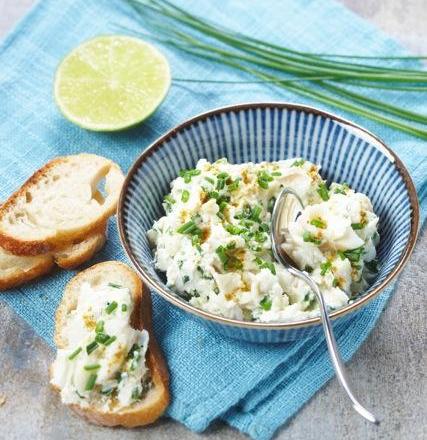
(108, 366)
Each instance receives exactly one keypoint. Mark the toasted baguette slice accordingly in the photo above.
(17, 269)
(75, 254)
(61, 202)
(156, 401)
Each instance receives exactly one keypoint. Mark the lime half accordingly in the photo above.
(111, 82)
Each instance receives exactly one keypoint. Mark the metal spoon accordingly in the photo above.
(287, 208)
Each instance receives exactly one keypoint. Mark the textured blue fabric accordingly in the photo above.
(254, 388)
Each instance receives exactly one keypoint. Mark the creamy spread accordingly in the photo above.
(214, 244)
(104, 362)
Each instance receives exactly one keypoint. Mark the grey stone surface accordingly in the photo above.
(388, 371)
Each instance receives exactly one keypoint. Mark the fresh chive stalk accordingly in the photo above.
(317, 76)
(74, 354)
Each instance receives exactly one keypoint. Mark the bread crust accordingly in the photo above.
(73, 255)
(41, 267)
(19, 246)
(157, 399)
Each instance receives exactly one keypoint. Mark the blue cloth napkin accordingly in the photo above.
(253, 388)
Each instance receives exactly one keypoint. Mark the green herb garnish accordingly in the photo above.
(116, 286)
(91, 347)
(262, 264)
(298, 163)
(189, 228)
(324, 267)
(266, 303)
(111, 307)
(308, 237)
(99, 327)
(358, 226)
(352, 254)
(124, 307)
(210, 180)
(342, 189)
(185, 196)
(228, 260)
(110, 340)
(92, 367)
(90, 382)
(318, 222)
(185, 279)
(187, 175)
(74, 354)
(323, 192)
(233, 186)
(101, 338)
(264, 179)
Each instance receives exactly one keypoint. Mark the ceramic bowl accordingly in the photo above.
(268, 132)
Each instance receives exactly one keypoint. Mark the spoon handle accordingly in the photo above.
(333, 348)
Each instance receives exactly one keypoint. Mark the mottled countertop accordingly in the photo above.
(388, 371)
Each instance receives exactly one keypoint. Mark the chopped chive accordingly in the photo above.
(264, 178)
(90, 382)
(169, 199)
(223, 175)
(187, 175)
(91, 347)
(116, 286)
(233, 229)
(189, 228)
(342, 189)
(92, 367)
(233, 186)
(298, 163)
(264, 227)
(110, 340)
(353, 255)
(308, 269)
(357, 226)
(323, 192)
(185, 196)
(111, 307)
(308, 237)
(74, 354)
(210, 180)
(124, 307)
(99, 327)
(101, 338)
(185, 279)
(266, 303)
(324, 267)
(318, 222)
(262, 264)
(276, 173)
(256, 211)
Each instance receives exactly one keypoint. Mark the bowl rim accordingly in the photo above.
(363, 300)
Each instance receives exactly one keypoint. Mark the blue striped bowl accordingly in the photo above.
(268, 132)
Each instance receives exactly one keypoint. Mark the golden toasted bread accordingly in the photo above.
(62, 202)
(156, 400)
